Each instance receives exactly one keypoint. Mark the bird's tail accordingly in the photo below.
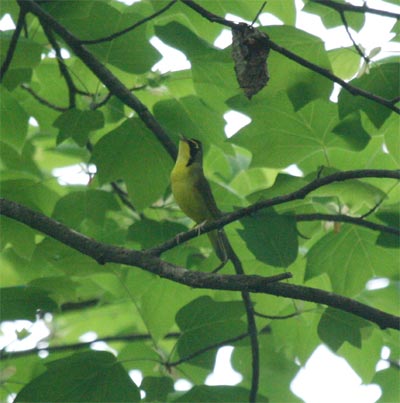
(220, 244)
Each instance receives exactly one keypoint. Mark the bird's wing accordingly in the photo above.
(204, 188)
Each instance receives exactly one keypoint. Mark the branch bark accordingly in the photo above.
(104, 253)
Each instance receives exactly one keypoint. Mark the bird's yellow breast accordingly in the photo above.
(189, 198)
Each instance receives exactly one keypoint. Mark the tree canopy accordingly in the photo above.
(315, 253)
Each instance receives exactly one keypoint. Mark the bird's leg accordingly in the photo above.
(200, 226)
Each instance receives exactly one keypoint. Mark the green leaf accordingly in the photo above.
(60, 288)
(24, 302)
(157, 388)
(293, 136)
(284, 11)
(205, 322)
(222, 394)
(139, 351)
(396, 30)
(350, 258)
(355, 194)
(13, 120)
(276, 370)
(130, 52)
(351, 131)
(212, 69)
(78, 124)
(296, 336)
(388, 380)
(284, 184)
(73, 9)
(152, 297)
(391, 217)
(253, 179)
(331, 18)
(31, 193)
(301, 84)
(23, 161)
(383, 298)
(14, 77)
(392, 138)
(336, 327)
(121, 154)
(54, 258)
(271, 237)
(26, 55)
(21, 237)
(93, 376)
(345, 62)
(191, 117)
(382, 80)
(17, 372)
(75, 207)
(364, 360)
(150, 233)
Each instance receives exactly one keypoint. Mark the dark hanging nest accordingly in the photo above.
(250, 52)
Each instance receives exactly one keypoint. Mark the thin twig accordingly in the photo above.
(13, 43)
(131, 28)
(369, 212)
(345, 218)
(346, 27)
(4, 354)
(123, 196)
(281, 317)
(109, 95)
(61, 65)
(42, 100)
(258, 13)
(207, 14)
(356, 9)
(298, 59)
(195, 354)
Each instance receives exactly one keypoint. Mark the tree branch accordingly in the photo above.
(356, 9)
(13, 44)
(108, 79)
(296, 195)
(298, 59)
(131, 28)
(104, 253)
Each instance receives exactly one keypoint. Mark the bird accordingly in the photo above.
(193, 195)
